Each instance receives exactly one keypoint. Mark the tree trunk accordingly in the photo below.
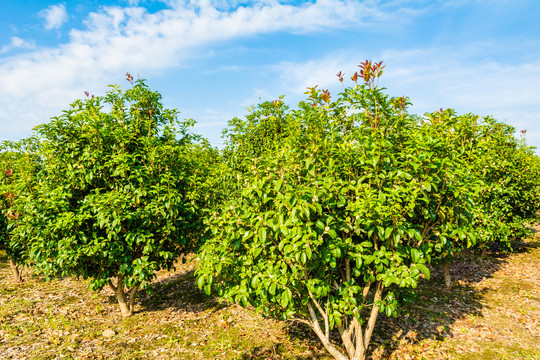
(361, 350)
(125, 307)
(374, 314)
(132, 295)
(355, 339)
(325, 338)
(446, 274)
(17, 276)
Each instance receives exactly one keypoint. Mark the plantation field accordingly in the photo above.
(327, 218)
(493, 312)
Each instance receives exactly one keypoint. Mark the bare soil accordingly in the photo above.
(492, 312)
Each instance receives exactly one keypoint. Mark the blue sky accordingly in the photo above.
(212, 59)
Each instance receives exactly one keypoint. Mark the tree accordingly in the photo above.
(7, 215)
(248, 139)
(507, 200)
(17, 167)
(511, 193)
(345, 208)
(119, 193)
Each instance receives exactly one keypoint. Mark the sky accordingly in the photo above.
(213, 59)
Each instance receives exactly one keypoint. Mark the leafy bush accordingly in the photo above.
(119, 195)
(17, 167)
(507, 202)
(344, 206)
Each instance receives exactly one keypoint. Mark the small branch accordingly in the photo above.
(317, 305)
(324, 339)
(326, 322)
(114, 288)
(321, 311)
(373, 316)
(303, 321)
(365, 292)
(132, 295)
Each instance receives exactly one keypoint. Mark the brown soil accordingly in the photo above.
(492, 312)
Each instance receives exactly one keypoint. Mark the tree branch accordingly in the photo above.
(360, 351)
(373, 316)
(114, 288)
(324, 339)
(346, 338)
(132, 295)
(365, 292)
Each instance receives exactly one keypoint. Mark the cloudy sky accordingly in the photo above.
(211, 59)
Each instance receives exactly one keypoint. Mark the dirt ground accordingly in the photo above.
(492, 312)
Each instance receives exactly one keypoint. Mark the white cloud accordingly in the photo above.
(55, 16)
(461, 81)
(16, 43)
(321, 72)
(118, 39)
(37, 84)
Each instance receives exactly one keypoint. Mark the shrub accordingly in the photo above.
(345, 205)
(17, 167)
(507, 202)
(119, 192)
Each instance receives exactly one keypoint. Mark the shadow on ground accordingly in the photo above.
(435, 309)
(277, 352)
(178, 292)
(430, 316)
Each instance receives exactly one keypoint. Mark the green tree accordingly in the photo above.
(338, 213)
(7, 214)
(17, 167)
(248, 139)
(510, 198)
(119, 192)
(507, 202)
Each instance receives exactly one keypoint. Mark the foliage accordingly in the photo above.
(507, 202)
(511, 175)
(249, 138)
(6, 199)
(343, 208)
(17, 167)
(118, 195)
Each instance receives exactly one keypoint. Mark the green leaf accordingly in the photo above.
(308, 252)
(257, 251)
(286, 297)
(424, 270)
(333, 234)
(416, 255)
(262, 234)
(277, 184)
(303, 257)
(388, 232)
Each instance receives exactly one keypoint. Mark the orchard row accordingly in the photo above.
(328, 213)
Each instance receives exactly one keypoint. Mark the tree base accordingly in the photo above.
(17, 274)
